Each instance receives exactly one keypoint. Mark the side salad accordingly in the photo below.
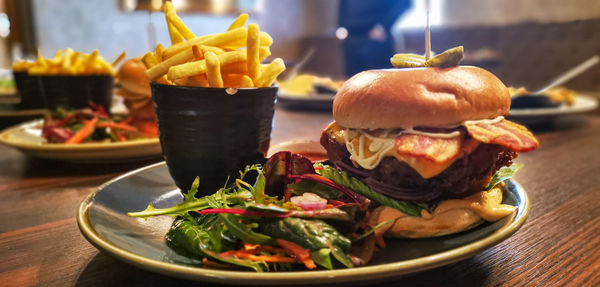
(89, 125)
(289, 214)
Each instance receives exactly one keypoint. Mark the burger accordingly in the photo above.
(429, 136)
(135, 90)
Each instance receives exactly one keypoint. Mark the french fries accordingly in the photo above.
(117, 60)
(246, 82)
(228, 38)
(213, 70)
(149, 60)
(69, 62)
(22, 66)
(239, 22)
(253, 44)
(176, 22)
(174, 35)
(228, 59)
(199, 67)
(158, 51)
(269, 73)
(163, 67)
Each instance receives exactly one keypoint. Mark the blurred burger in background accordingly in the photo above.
(135, 90)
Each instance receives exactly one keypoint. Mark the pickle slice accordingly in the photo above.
(407, 60)
(449, 58)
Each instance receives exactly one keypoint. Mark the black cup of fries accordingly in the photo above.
(71, 80)
(212, 132)
(214, 100)
(76, 92)
(29, 90)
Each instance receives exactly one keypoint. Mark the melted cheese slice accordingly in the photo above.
(450, 216)
(367, 151)
(426, 168)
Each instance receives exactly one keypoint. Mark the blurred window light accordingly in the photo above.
(341, 33)
(127, 5)
(179, 4)
(220, 6)
(416, 16)
(4, 25)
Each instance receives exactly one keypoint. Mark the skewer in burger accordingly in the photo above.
(432, 136)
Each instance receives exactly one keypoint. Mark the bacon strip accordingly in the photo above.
(505, 133)
(435, 149)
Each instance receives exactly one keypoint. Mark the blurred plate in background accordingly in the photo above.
(27, 138)
(323, 102)
(584, 103)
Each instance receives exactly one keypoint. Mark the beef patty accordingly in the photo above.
(467, 175)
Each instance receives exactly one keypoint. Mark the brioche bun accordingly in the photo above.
(424, 97)
(450, 222)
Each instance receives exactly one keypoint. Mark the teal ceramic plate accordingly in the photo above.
(103, 221)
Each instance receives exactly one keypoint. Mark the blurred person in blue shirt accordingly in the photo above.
(369, 43)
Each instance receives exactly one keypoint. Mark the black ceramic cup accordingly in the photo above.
(76, 92)
(212, 132)
(30, 91)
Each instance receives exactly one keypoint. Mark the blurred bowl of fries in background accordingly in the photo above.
(70, 80)
(214, 99)
(29, 90)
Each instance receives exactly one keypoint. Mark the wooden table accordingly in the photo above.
(41, 245)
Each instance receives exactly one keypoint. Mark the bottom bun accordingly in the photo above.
(450, 216)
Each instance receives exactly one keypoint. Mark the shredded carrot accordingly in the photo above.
(147, 127)
(260, 248)
(121, 137)
(269, 248)
(379, 241)
(248, 246)
(302, 254)
(84, 132)
(121, 126)
(248, 254)
(212, 264)
(128, 120)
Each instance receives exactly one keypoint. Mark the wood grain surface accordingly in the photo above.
(40, 244)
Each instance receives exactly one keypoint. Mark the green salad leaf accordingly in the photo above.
(503, 174)
(342, 178)
(191, 203)
(322, 257)
(242, 231)
(259, 187)
(194, 239)
(312, 234)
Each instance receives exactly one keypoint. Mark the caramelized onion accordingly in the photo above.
(405, 194)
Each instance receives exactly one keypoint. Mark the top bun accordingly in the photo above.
(132, 76)
(424, 97)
